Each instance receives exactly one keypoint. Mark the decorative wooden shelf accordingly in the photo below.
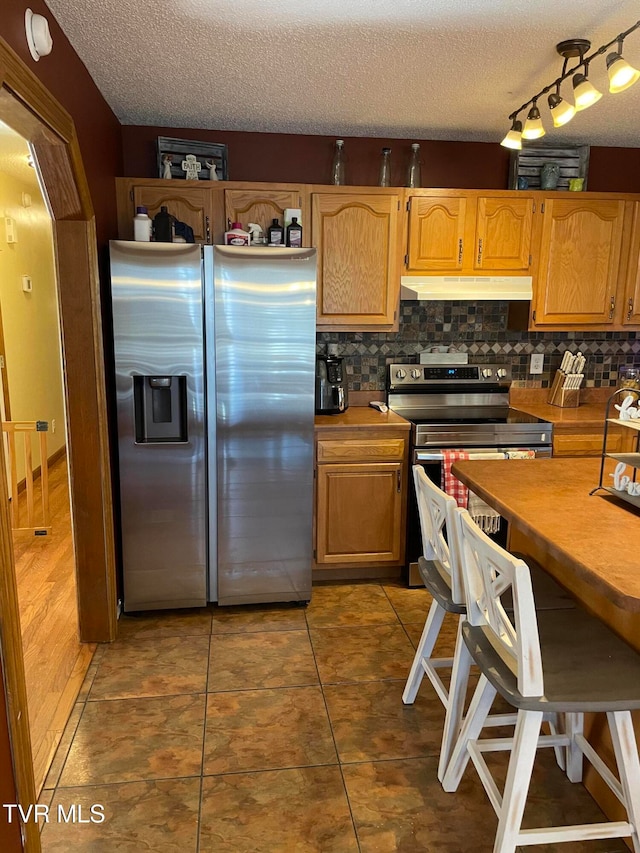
(631, 459)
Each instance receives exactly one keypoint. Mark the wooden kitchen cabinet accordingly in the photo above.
(587, 441)
(262, 203)
(468, 232)
(436, 233)
(189, 201)
(580, 252)
(361, 494)
(356, 233)
(631, 294)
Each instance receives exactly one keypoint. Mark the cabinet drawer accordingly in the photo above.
(364, 450)
(587, 444)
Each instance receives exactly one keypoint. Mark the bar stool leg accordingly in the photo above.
(425, 647)
(471, 728)
(626, 751)
(462, 661)
(525, 744)
(573, 726)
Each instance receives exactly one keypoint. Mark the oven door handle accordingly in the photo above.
(436, 455)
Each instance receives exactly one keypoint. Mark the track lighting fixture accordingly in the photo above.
(513, 139)
(622, 75)
(533, 128)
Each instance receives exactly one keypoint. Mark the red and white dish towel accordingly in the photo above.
(450, 484)
(483, 515)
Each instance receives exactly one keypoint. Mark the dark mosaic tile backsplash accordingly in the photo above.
(479, 328)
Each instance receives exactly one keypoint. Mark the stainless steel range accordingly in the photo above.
(458, 407)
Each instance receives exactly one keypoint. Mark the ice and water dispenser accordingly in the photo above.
(160, 404)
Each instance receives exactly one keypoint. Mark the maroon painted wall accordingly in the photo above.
(307, 159)
(64, 75)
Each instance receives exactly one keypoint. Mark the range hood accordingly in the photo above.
(467, 287)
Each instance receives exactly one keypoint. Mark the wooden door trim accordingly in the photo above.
(30, 109)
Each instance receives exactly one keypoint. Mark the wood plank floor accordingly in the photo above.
(55, 660)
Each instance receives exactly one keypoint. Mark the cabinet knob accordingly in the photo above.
(460, 247)
(480, 251)
(630, 311)
(612, 305)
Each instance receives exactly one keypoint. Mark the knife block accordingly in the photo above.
(565, 398)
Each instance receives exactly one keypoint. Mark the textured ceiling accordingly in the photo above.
(425, 69)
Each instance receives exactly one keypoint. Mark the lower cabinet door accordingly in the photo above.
(359, 513)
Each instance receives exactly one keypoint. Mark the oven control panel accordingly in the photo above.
(445, 374)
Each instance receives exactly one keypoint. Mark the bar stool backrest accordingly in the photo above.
(488, 572)
(436, 510)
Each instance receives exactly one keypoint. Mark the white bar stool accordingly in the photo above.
(441, 572)
(560, 661)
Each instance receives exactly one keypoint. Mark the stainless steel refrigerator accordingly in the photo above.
(215, 362)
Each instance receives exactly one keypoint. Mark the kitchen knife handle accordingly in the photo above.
(630, 311)
(612, 305)
(460, 244)
(480, 251)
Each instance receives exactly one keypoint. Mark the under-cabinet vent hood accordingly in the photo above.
(468, 287)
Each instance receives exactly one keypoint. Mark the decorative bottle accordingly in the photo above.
(337, 169)
(294, 234)
(385, 168)
(413, 172)
(163, 226)
(142, 225)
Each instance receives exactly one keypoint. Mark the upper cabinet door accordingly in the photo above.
(436, 233)
(631, 295)
(579, 262)
(262, 206)
(356, 236)
(503, 233)
(190, 204)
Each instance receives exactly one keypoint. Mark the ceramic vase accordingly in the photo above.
(549, 175)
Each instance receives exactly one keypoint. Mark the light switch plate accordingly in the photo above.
(536, 363)
(10, 230)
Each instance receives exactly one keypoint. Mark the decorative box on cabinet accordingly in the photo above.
(361, 493)
(356, 233)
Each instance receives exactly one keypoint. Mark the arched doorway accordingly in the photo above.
(29, 109)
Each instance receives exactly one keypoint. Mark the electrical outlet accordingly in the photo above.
(53, 425)
(536, 363)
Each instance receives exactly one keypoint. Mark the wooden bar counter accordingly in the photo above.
(589, 543)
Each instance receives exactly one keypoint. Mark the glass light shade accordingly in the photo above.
(513, 139)
(533, 127)
(621, 74)
(561, 110)
(584, 93)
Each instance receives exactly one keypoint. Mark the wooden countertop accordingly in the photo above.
(589, 414)
(593, 536)
(586, 415)
(359, 416)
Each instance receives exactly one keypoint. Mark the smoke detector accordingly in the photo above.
(38, 35)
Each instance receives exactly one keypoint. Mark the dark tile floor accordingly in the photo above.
(276, 730)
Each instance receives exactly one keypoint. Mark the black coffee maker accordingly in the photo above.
(331, 386)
